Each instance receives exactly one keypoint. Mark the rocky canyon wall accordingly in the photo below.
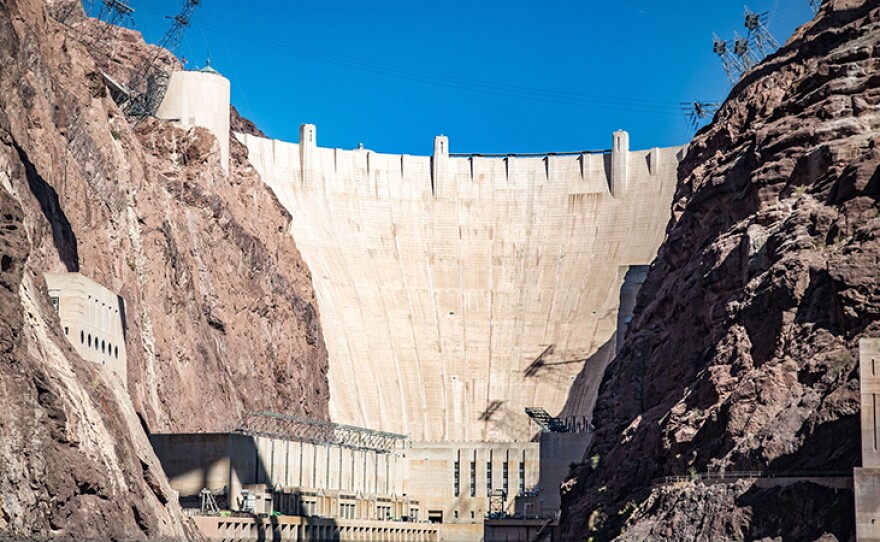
(742, 355)
(220, 313)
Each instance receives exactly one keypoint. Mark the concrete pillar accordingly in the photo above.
(439, 163)
(867, 478)
(619, 162)
(308, 143)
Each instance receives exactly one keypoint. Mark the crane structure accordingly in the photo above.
(148, 85)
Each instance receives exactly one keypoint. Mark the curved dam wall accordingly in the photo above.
(455, 291)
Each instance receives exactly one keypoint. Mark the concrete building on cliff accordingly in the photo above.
(93, 320)
(456, 291)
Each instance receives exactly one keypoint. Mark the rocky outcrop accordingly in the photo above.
(240, 124)
(742, 354)
(220, 313)
(228, 316)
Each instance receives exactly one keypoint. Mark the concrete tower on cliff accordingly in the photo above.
(200, 98)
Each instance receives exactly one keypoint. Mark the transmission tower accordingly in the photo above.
(150, 82)
(758, 33)
(695, 112)
(63, 16)
(112, 13)
(743, 50)
(731, 63)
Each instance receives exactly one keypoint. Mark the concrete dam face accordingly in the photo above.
(456, 291)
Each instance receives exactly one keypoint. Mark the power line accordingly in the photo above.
(743, 53)
(150, 82)
(696, 112)
(473, 85)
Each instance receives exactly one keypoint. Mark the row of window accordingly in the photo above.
(100, 346)
(505, 477)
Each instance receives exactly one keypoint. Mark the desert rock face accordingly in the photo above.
(220, 313)
(743, 351)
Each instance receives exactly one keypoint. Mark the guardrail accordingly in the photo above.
(733, 476)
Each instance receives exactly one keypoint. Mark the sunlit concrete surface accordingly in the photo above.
(92, 318)
(441, 280)
(199, 98)
(866, 479)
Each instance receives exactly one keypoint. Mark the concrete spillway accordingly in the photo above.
(441, 280)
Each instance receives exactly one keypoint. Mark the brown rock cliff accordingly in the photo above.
(743, 351)
(221, 316)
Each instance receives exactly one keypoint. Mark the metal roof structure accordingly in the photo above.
(545, 421)
(286, 427)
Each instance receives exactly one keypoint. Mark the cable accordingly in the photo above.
(473, 85)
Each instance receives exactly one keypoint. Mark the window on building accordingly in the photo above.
(82, 337)
(505, 473)
(522, 477)
(383, 512)
(309, 507)
(472, 514)
(489, 477)
(103, 347)
(55, 303)
(90, 340)
(346, 510)
(116, 353)
(66, 331)
(456, 478)
(455, 514)
(473, 478)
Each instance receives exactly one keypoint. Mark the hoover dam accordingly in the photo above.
(457, 290)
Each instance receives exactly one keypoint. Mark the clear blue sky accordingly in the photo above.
(494, 76)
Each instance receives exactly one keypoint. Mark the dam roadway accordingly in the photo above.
(455, 291)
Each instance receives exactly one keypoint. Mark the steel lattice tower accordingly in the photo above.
(743, 50)
(149, 84)
(764, 41)
(697, 111)
(731, 63)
